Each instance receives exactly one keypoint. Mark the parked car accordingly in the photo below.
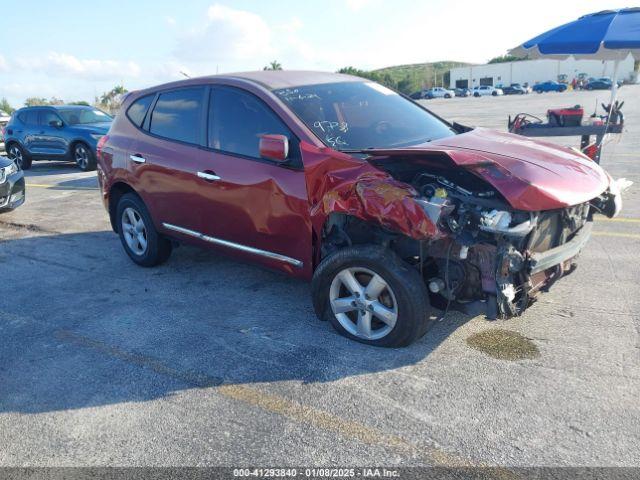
(61, 132)
(4, 119)
(484, 90)
(599, 84)
(462, 92)
(384, 206)
(515, 89)
(439, 92)
(549, 86)
(12, 189)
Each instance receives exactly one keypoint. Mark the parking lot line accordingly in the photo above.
(279, 405)
(619, 219)
(615, 234)
(58, 187)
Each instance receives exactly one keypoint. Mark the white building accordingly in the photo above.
(537, 71)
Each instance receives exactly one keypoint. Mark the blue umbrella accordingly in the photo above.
(607, 35)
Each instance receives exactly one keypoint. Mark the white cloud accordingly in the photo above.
(229, 35)
(170, 20)
(356, 5)
(62, 64)
(4, 66)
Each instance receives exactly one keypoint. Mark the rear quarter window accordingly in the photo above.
(138, 110)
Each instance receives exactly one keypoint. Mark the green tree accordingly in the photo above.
(35, 101)
(275, 65)
(506, 58)
(5, 107)
(112, 99)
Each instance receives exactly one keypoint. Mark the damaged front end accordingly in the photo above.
(478, 249)
(495, 259)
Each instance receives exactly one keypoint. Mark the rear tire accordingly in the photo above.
(16, 153)
(138, 235)
(388, 306)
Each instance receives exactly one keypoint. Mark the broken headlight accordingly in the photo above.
(499, 221)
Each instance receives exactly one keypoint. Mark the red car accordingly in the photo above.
(387, 208)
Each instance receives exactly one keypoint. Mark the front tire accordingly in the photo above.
(84, 157)
(372, 296)
(139, 237)
(18, 155)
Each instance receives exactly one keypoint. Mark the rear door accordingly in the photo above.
(28, 131)
(252, 206)
(166, 156)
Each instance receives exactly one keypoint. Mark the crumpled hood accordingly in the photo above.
(530, 174)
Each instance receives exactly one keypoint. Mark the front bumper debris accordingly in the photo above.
(541, 261)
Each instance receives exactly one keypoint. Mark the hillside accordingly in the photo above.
(423, 71)
(409, 78)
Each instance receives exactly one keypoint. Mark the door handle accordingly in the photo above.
(137, 158)
(208, 176)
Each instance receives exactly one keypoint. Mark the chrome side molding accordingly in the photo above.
(235, 246)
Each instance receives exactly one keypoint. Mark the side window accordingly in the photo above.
(30, 117)
(237, 119)
(138, 109)
(177, 115)
(47, 116)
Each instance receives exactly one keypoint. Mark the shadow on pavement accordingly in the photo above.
(82, 326)
(41, 168)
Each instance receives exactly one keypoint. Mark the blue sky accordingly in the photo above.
(74, 49)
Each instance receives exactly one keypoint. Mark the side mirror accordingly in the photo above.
(274, 147)
(56, 123)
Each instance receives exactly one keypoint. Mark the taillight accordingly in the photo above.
(100, 146)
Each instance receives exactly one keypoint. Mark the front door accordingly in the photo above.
(51, 138)
(250, 205)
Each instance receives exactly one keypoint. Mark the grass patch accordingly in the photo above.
(503, 344)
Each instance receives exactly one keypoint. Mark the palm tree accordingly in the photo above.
(275, 65)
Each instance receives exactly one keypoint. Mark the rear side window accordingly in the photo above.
(177, 115)
(138, 110)
(30, 117)
(236, 121)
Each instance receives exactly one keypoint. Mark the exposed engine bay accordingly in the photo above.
(490, 258)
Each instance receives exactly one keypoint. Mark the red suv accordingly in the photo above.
(385, 207)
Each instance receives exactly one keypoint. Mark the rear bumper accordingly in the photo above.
(539, 262)
(12, 192)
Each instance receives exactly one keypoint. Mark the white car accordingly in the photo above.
(484, 90)
(439, 92)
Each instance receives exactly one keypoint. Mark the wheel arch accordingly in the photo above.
(116, 191)
(343, 229)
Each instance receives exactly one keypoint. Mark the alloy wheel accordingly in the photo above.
(82, 156)
(134, 231)
(15, 154)
(364, 303)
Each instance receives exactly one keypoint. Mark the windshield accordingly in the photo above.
(82, 116)
(362, 115)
